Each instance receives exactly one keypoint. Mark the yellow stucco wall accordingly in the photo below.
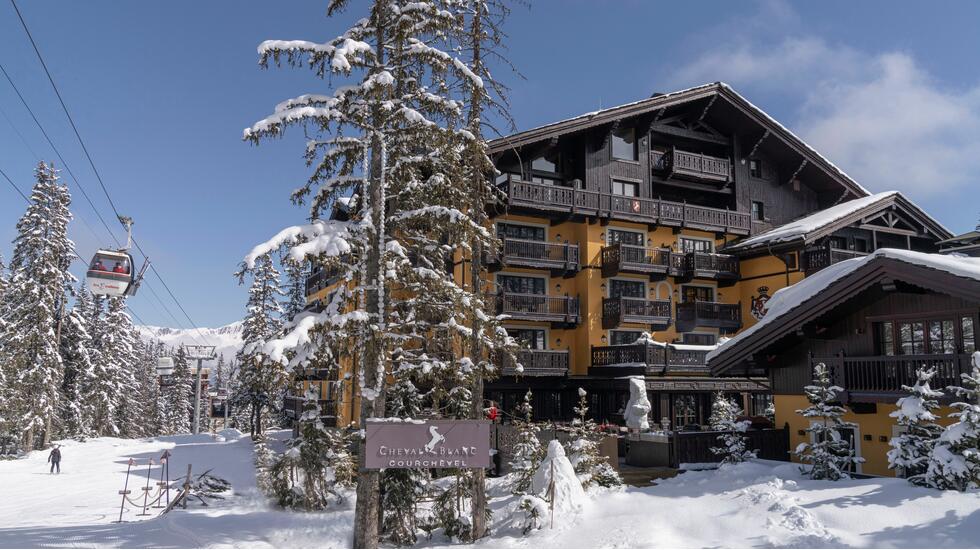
(877, 425)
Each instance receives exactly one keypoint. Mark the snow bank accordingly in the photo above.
(568, 493)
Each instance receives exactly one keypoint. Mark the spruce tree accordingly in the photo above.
(910, 451)
(403, 487)
(77, 405)
(118, 352)
(591, 467)
(34, 305)
(528, 451)
(178, 395)
(831, 456)
(955, 459)
(724, 418)
(260, 379)
(220, 376)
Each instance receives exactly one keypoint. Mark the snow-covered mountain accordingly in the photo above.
(227, 339)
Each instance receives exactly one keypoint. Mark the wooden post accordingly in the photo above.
(146, 488)
(125, 491)
(187, 487)
(551, 493)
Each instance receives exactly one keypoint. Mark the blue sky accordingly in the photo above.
(161, 91)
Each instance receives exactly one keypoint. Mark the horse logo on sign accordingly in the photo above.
(759, 303)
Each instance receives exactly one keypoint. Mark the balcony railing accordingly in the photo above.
(321, 279)
(881, 377)
(815, 259)
(527, 253)
(704, 265)
(678, 163)
(708, 314)
(539, 307)
(649, 358)
(551, 198)
(625, 258)
(293, 405)
(616, 311)
(538, 362)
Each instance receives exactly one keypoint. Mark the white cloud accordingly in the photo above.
(879, 116)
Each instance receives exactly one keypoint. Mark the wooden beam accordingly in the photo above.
(757, 144)
(681, 132)
(706, 107)
(797, 172)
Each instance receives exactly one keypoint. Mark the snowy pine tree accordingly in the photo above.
(403, 487)
(120, 361)
(77, 405)
(910, 451)
(724, 418)
(955, 459)
(178, 396)
(591, 467)
(33, 307)
(259, 379)
(220, 374)
(831, 455)
(528, 451)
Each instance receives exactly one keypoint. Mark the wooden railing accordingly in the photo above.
(538, 362)
(702, 264)
(539, 307)
(708, 314)
(293, 405)
(635, 310)
(695, 447)
(321, 279)
(815, 259)
(634, 259)
(886, 374)
(570, 200)
(676, 162)
(525, 252)
(650, 357)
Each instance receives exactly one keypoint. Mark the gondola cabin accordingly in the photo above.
(165, 370)
(111, 274)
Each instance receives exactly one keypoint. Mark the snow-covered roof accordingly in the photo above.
(790, 298)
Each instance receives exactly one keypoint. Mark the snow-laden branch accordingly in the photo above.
(331, 238)
(299, 335)
(340, 51)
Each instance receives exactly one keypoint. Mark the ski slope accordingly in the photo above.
(759, 504)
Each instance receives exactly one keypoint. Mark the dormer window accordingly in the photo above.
(624, 144)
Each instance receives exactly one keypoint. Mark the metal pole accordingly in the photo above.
(146, 488)
(125, 490)
(227, 404)
(161, 486)
(197, 400)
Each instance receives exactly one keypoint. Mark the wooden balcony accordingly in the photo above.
(703, 265)
(815, 259)
(616, 311)
(881, 377)
(676, 163)
(538, 362)
(630, 359)
(691, 315)
(321, 279)
(293, 406)
(560, 310)
(560, 258)
(625, 258)
(570, 202)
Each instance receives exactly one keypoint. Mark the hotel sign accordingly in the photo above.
(427, 444)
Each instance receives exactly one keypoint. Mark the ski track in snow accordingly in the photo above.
(760, 504)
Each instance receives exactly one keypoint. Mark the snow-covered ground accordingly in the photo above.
(761, 504)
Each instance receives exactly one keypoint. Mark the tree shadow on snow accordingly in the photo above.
(949, 531)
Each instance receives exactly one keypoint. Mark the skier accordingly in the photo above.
(55, 459)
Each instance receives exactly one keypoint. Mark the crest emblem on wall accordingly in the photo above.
(759, 302)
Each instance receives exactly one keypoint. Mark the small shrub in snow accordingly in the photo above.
(830, 456)
(591, 467)
(527, 448)
(955, 459)
(910, 451)
(724, 415)
(535, 509)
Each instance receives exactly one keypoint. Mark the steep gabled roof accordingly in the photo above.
(791, 307)
(820, 224)
(719, 89)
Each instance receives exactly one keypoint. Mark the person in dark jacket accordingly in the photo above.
(55, 459)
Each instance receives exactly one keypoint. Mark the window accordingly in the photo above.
(624, 144)
(791, 260)
(530, 338)
(688, 244)
(521, 285)
(691, 293)
(685, 411)
(760, 403)
(861, 245)
(623, 337)
(698, 339)
(758, 211)
(619, 288)
(619, 236)
(515, 231)
(838, 243)
(969, 335)
(941, 337)
(755, 168)
(912, 338)
(547, 162)
(625, 188)
(884, 338)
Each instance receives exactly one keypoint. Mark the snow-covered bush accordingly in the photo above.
(830, 455)
(910, 451)
(724, 418)
(590, 465)
(527, 448)
(955, 459)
